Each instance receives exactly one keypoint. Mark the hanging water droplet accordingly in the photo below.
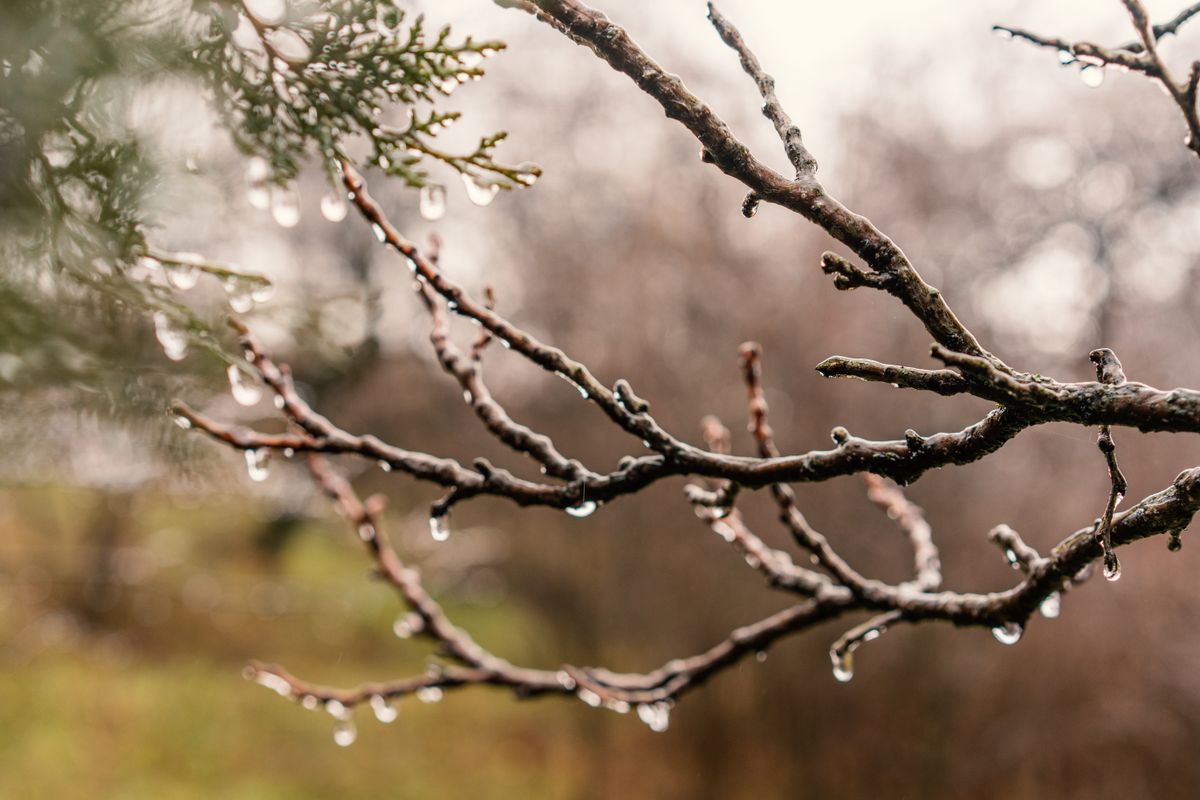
(721, 512)
(244, 392)
(589, 697)
(433, 201)
(1066, 57)
(429, 694)
(344, 733)
(619, 706)
(843, 664)
(274, 683)
(309, 702)
(384, 465)
(1011, 556)
(1112, 566)
(182, 421)
(564, 679)
(406, 626)
(285, 207)
(174, 341)
(657, 716)
(262, 292)
(380, 233)
(279, 401)
(384, 712)
(258, 193)
(584, 509)
(479, 191)
(1002, 33)
(760, 656)
(366, 531)
(1092, 76)
(1175, 541)
(438, 528)
(256, 464)
(1008, 633)
(337, 709)
(182, 276)
(527, 173)
(333, 206)
(240, 297)
(1051, 605)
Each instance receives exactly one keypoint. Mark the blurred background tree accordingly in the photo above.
(121, 650)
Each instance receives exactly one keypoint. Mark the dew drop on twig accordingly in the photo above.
(1051, 605)
(438, 528)
(1092, 76)
(173, 340)
(1008, 633)
(433, 201)
(344, 733)
(333, 206)
(584, 509)
(657, 716)
(429, 694)
(843, 664)
(479, 191)
(243, 391)
(256, 464)
(385, 712)
(285, 207)
(182, 276)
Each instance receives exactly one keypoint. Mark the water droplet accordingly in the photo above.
(1066, 57)
(279, 401)
(1008, 633)
(256, 464)
(385, 466)
(657, 716)
(244, 392)
(1002, 33)
(584, 509)
(564, 679)
(438, 528)
(843, 664)
(274, 683)
(380, 233)
(760, 656)
(337, 709)
(309, 702)
(433, 201)
(174, 341)
(241, 300)
(285, 207)
(1112, 566)
(406, 626)
(344, 733)
(1011, 556)
(182, 421)
(333, 206)
(182, 276)
(1174, 541)
(527, 173)
(384, 712)
(590, 698)
(262, 292)
(1051, 606)
(429, 694)
(479, 191)
(366, 531)
(1092, 76)
(258, 193)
